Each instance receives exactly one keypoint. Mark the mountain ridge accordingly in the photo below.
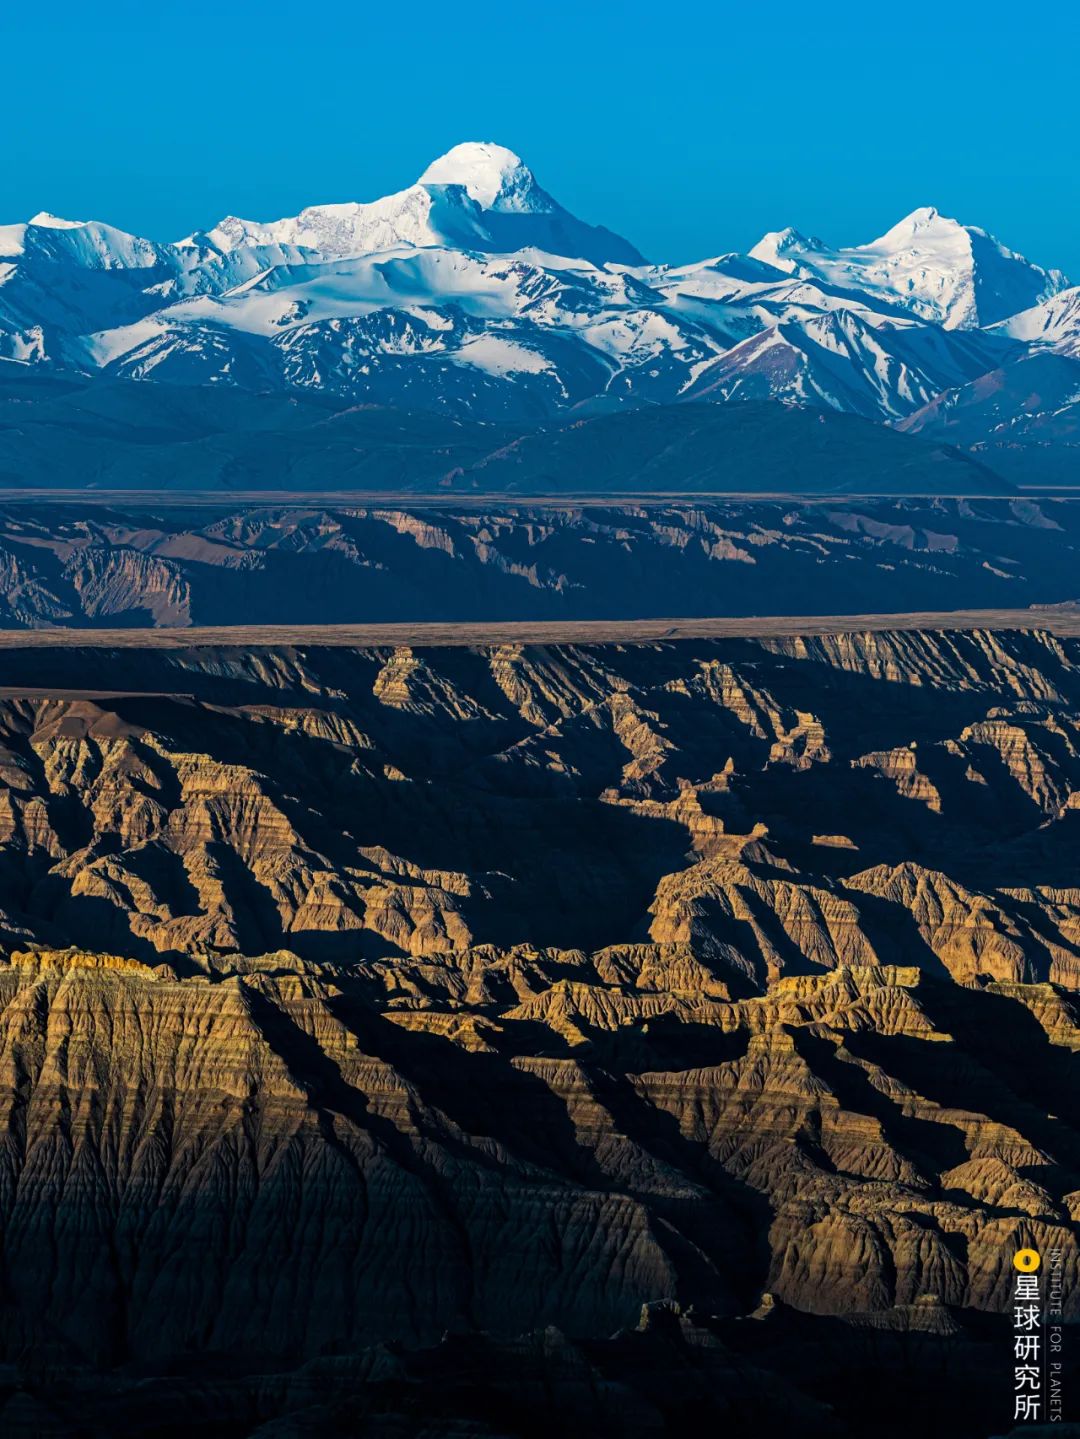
(118, 433)
(475, 293)
(357, 996)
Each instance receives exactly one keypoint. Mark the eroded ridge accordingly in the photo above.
(364, 995)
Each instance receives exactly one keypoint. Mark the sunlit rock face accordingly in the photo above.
(352, 997)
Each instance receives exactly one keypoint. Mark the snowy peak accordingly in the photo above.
(494, 177)
(925, 235)
(1054, 323)
(474, 291)
(934, 267)
(54, 222)
(962, 274)
(478, 196)
(413, 218)
(923, 221)
(778, 248)
(88, 244)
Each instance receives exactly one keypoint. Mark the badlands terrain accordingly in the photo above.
(177, 561)
(481, 957)
(508, 1038)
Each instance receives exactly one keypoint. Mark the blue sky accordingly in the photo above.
(689, 128)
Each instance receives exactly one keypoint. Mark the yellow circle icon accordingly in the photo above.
(1027, 1260)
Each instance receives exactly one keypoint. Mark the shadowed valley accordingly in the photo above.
(375, 1023)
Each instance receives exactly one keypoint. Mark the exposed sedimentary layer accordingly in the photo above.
(165, 562)
(357, 996)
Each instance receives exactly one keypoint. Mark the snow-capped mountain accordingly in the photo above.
(475, 293)
(843, 360)
(476, 196)
(1055, 323)
(953, 275)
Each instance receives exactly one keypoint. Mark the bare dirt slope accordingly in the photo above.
(158, 562)
(356, 995)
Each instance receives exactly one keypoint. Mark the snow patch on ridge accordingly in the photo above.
(497, 356)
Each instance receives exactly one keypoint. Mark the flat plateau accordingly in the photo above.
(1060, 621)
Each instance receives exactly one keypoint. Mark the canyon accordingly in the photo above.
(133, 561)
(497, 1037)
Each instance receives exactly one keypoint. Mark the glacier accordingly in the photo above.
(474, 293)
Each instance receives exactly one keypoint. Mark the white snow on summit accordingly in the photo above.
(88, 244)
(477, 196)
(493, 176)
(945, 272)
(1054, 323)
(473, 290)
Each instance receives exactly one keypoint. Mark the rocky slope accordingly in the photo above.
(1023, 420)
(353, 997)
(69, 432)
(142, 563)
(473, 294)
(475, 291)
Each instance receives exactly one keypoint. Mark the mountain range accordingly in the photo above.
(473, 293)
